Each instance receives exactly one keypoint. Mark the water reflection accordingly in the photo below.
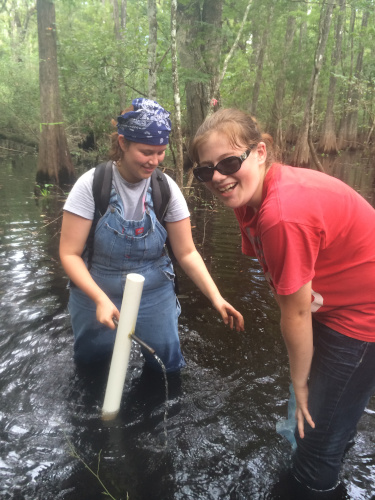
(222, 410)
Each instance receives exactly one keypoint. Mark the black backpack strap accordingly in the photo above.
(101, 187)
(161, 194)
(101, 190)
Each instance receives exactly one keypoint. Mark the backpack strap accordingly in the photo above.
(101, 190)
(101, 187)
(161, 194)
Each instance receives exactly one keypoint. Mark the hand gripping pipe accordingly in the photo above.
(121, 351)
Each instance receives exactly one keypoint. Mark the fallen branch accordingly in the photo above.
(10, 149)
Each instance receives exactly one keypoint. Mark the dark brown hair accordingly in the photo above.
(240, 128)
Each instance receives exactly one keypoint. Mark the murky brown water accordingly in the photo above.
(222, 412)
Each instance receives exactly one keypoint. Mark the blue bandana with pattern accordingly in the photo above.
(149, 123)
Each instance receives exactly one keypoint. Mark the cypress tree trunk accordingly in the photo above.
(276, 127)
(343, 130)
(54, 161)
(199, 38)
(352, 131)
(304, 141)
(327, 142)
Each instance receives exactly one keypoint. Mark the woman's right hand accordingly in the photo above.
(105, 311)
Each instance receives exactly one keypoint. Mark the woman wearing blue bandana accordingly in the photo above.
(129, 238)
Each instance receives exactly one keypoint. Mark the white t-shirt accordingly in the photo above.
(81, 200)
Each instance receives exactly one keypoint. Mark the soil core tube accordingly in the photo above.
(121, 351)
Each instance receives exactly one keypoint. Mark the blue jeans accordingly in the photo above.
(342, 380)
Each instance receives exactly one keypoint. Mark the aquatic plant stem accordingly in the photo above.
(75, 454)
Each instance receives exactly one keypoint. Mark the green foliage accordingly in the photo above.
(19, 82)
(44, 190)
(95, 69)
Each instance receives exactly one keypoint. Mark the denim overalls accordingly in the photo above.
(122, 247)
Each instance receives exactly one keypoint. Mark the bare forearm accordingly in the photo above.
(297, 333)
(76, 269)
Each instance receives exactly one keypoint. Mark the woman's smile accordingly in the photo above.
(244, 187)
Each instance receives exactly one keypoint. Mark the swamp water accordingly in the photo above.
(222, 409)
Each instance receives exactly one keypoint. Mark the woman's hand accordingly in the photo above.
(106, 311)
(229, 314)
(302, 412)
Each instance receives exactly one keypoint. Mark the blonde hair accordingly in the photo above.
(240, 128)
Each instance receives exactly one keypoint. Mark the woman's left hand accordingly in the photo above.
(230, 315)
(302, 411)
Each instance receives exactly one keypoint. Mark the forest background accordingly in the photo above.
(304, 69)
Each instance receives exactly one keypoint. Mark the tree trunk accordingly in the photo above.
(304, 142)
(124, 5)
(199, 21)
(152, 46)
(328, 143)
(176, 97)
(212, 13)
(276, 127)
(352, 131)
(119, 20)
(54, 161)
(260, 62)
(343, 130)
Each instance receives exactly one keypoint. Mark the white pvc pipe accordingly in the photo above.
(121, 351)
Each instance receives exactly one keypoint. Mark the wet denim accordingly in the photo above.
(342, 380)
(122, 247)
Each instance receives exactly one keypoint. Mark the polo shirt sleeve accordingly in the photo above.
(290, 253)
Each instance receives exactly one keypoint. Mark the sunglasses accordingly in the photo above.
(228, 166)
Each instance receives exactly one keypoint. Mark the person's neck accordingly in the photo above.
(121, 168)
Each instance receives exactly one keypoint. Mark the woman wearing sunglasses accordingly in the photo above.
(314, 237)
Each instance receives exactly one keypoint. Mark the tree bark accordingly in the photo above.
(199, 40)
(54, 161)
(176, 97)
(152, 47)
(352, 130)
(260, 62)
(343, 130)
(304, 141)
(328, 142)
(276, 127)
(119, 21)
